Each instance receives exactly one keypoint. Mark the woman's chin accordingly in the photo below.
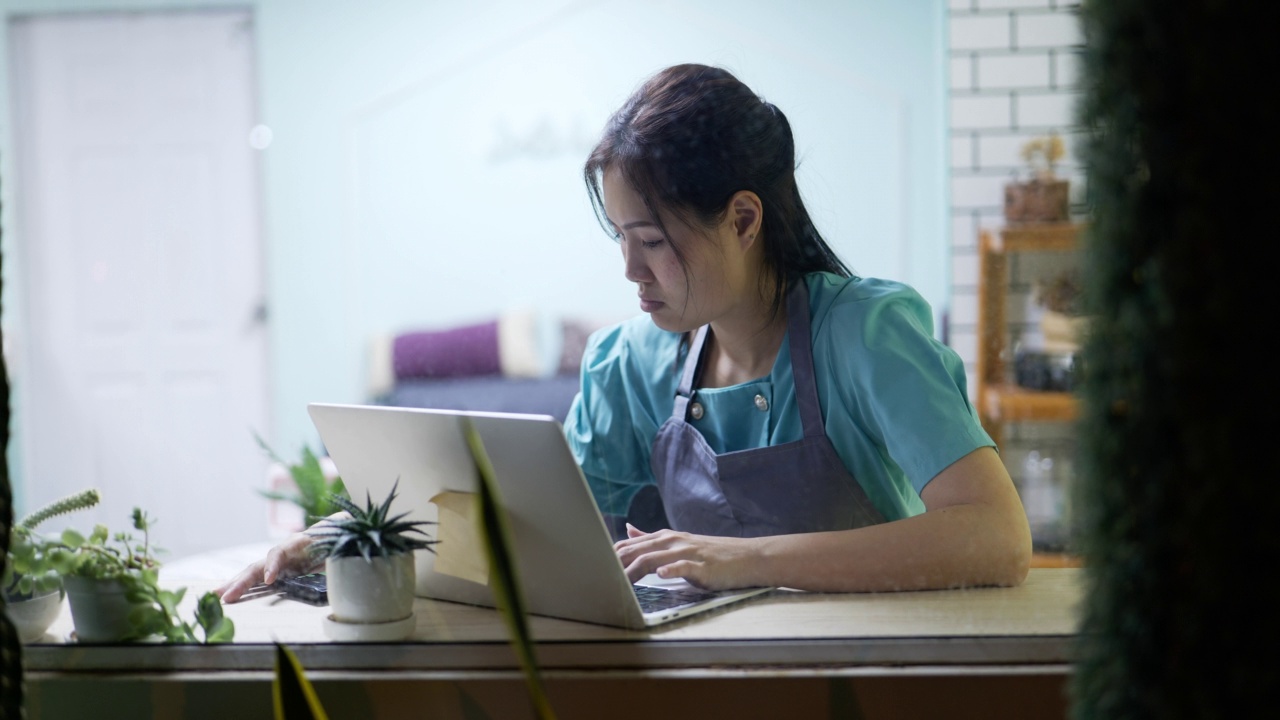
(665, 322)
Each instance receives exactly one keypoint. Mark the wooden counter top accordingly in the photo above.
(1034, 623)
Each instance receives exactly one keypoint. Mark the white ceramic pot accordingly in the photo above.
(99, 609)
(32, 617)
(380, 591)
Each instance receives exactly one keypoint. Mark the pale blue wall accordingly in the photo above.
(393, 201)
(425, 163)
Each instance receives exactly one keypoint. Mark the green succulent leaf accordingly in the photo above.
(369, 531)
(72, 539)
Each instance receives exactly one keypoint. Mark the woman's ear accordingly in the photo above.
(747, 214)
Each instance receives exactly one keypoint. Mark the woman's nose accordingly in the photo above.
(633, 266)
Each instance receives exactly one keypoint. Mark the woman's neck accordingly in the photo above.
(741, 350)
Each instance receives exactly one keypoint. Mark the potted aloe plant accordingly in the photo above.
(31, 586)
(369, 568)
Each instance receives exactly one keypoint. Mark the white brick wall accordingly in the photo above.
(1045, 110)
(981, 32)
(981, 111)
(1014, 70)
(1047, 30)
(1066, 69)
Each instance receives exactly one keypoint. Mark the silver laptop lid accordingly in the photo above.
(564, 554)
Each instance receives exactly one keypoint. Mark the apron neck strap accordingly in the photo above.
(692, 361)
(801, 345)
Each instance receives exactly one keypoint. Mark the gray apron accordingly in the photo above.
(796, 487)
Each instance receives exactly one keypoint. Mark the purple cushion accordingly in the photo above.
(460, 351)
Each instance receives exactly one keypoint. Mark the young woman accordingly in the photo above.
(770, 419)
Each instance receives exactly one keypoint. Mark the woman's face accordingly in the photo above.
(679, 297)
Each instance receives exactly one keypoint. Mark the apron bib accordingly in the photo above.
(796, 487)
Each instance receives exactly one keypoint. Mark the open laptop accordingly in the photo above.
(563, 551)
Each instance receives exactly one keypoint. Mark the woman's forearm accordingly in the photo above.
(985, 547)
(973, 533)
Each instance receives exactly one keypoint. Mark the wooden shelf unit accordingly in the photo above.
(999, 400)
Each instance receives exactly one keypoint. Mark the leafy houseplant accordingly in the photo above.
(32, 588)
(314, 487)
(28, 574)
(112, 585)
(1043, 197)
(369, 563)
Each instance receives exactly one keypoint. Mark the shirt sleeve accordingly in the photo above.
(601, 427)
(904, 389)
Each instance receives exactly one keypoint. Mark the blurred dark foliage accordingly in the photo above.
(1176, 489)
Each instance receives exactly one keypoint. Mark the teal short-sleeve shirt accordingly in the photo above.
(894, 398)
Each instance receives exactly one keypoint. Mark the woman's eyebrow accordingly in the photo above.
(628, 226)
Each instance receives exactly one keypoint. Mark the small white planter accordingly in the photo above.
(380, 591)
(32, 617)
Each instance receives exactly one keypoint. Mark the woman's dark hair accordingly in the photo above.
(690, 138)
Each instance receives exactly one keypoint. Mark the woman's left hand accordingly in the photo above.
(712, 563)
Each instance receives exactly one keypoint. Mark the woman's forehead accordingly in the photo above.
(625, 208)
(624, 205)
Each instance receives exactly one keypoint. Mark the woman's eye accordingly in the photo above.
(651, 244)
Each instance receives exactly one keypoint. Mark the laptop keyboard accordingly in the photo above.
(657, 598)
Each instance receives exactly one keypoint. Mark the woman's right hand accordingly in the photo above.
(290, 557)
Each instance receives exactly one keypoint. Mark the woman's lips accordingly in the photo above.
(649, 305)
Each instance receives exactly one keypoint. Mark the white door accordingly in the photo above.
(137, 223)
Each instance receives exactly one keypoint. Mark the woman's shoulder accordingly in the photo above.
(632, 342)
(628, 371)
(863, 301)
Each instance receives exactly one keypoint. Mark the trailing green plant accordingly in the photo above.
(370, 531)
(315, 491)
(29, 573)
(131, 562)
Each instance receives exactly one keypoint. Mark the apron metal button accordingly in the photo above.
(762, 403)
(696, 411)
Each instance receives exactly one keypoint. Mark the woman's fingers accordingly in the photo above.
(648, 552)
(708, 562)
(290, 557)
(638, 544)
(250, 576)
(687, 570)
(272, 566)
